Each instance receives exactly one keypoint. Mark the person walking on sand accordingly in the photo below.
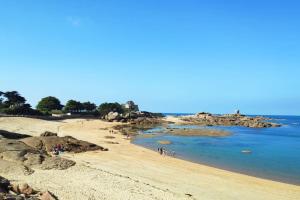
(160, 151)
(164, 152)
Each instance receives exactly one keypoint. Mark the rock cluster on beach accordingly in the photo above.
(9, 191)
(139, 124)
(135, 121)
(207, 119)
(21, 155)
(130, 116)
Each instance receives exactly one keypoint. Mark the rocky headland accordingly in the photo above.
(207, 119)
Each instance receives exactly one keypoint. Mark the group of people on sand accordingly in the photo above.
(162, 151)
(57, 149)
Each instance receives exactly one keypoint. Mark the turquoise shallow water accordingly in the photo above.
(275, 151)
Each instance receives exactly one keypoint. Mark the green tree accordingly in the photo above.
(88, 106)
(12, 103)
(48, 104)
(73, 106)
(106, 108)
(1, 101)
(13, 99)
(24, 109)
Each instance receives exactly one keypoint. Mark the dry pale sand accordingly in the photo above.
(127, 171)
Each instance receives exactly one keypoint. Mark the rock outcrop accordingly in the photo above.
(69, 143)
(21, 155)
(17, 153)
(207, 119)
(139, 124)
(113, 116)
(130, 116)
(21, 192)
(11, 135)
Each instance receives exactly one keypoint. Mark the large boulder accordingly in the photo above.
(14, 145)
(17, 156)
(14, 156)
(69, 143)
(113, 116)
(16, 151)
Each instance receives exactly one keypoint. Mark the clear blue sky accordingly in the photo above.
(166, 55)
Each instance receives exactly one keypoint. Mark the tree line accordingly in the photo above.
(12, 103)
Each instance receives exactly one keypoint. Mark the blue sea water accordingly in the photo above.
(275, 152)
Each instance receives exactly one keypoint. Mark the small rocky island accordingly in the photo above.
(208, 119)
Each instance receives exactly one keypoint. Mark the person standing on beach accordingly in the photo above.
(160, 150)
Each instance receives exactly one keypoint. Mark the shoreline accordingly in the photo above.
(129, 171)
(231, 170)
(179, 159)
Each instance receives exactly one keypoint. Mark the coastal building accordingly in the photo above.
(130, 105)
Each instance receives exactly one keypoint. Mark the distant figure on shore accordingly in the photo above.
(237, 112)
(164, 152)
(160, 150)
(172, 153)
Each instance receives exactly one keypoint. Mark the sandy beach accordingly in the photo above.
(128, 171)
